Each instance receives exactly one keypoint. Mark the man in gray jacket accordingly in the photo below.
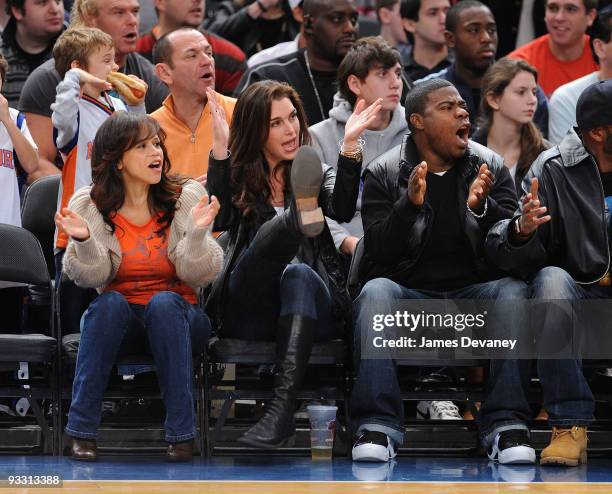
(371, 70)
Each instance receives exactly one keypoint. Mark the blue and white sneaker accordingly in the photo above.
(374, 446)
(512, 447)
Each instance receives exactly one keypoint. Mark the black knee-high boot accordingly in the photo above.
(293, 348)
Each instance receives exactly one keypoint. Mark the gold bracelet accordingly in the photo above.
(354, 152)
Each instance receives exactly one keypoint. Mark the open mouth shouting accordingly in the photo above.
(156, 165)
(463, 134)
(131, 37)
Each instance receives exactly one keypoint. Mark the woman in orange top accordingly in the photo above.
(142, 239)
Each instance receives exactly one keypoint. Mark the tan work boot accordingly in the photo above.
(567, 447)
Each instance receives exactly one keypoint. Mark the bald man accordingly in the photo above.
(184, 62)
(330, 29)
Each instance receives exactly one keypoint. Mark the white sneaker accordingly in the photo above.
(438, 410)
(512, 447)
(374, 446)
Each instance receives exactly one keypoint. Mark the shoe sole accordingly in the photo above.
(306, 179)
(256, 444)
(559, 460)
(519, 455)
(370, 453)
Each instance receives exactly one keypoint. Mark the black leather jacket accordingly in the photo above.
(396, 231)
(338, 199)
(576, 237)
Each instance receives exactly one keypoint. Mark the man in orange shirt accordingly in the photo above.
(184, 61)
(563, 54)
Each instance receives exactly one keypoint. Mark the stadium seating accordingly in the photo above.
(33, 358)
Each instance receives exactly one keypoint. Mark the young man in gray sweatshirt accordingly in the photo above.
(369, 71)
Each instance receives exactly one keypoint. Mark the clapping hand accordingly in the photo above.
(360, 119)
(5, 114)
(417, 184)
(531, 217)
(204, 213)
(72, 224)
(220, 126)
(480, 189)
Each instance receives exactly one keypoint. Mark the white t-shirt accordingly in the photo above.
(10, 209)
(273, 52)
(562, 106)
(512, 170)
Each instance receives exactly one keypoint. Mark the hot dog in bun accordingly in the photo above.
(132, 90)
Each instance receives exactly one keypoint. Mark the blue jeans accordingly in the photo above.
(567, 397)
(263, 287)
(376, 403)
(111, 327)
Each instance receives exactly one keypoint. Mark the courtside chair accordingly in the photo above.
(32, 357)
(225, 351)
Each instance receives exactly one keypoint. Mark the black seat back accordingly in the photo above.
(353, 283)
(21, 257)
(37, 212)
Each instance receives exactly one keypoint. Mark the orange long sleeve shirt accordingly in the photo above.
(188, 152)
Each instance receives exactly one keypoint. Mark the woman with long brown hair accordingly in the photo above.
(506, 123)
(283, 280)
(142, 239)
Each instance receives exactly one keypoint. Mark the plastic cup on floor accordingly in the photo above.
(322, 430)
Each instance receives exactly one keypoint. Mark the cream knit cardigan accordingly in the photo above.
(196, 255)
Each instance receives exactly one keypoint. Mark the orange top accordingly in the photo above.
(553, 72)
(188, 152)
(145, 268)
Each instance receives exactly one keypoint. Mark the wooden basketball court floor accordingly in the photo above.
(275, 475)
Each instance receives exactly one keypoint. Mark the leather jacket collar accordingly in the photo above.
(571, 149)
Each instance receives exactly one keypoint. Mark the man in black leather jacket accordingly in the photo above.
(427, 207)
(559, 240)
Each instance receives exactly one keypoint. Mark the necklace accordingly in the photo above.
(314, 86)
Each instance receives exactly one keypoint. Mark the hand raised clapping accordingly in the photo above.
(417, 184)
(359, 120)
(533, 214)
(481, 187)
(204, 213)
(72, 224)
(220, 126)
